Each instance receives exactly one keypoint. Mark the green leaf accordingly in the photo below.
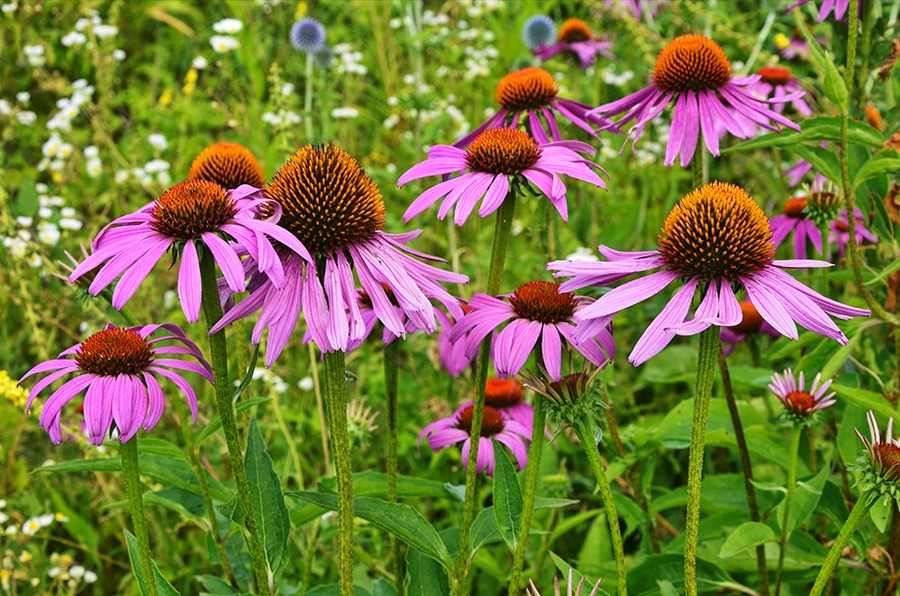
(233, 510)
(399, 519)
(815, 130)
(216, 423)
(806, 498)
(163, 587)
(335, 590)
(215, 585)
(866, 399)
(822, 160)
(248, 378)
(880, 513)
(835, 89)
(883, 162)
(100, 464)
(267, 500)
(425, 577)
(565, 568)
(746, 536)
(894, 266)
(508, 500)
(382, 587)
(644, 578)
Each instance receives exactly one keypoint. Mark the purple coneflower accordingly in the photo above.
(531, 589)
(635, 8)
(575, 36)
(229, 165)
(715, 239)
(534, 91)
(797, 401)
(751, 324)
(118, 367)
(882, 457)
(839, 7)
(492, 158)
(796, 219)
(507, 396)
(192, 213)
(452, 353)
(779, 82)
(694, 73)
(537, 312)
(335, 211)
(457, 428)
(370, 319)
(839, 231)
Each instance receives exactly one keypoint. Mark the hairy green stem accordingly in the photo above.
(212, 313)
(307, 98)
(336, 402)
(585, 434)
(706, 364)
(796, 433)
(129, 452)
(502, 228)
(391, 366)
(834, 555)
(746, 466)
(531, 482)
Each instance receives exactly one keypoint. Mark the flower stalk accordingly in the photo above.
(129, 452)
(212, 313)
(502, 228)
(850, 526)
(796, 433)
(534, 472)
(391, 366)
(706, 363)
(336, 403)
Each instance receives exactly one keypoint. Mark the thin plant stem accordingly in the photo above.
(865, 44)
(849, 195)
(502, 227)
(320, 407)
(212, 313)
(531, 482)
(307, 98)
(796, 433)
(391, 366)
(826, 249)
(706, 364)
(834, 555)
(746, 467)
(336, 402)
(129, 452)
(586, 436)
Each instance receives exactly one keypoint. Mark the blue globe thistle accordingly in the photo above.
(538, 30)
(308, 35)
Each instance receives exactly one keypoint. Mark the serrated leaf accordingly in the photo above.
(267, 500)
(746, 536)
(399, 519)
(508, 501)
(163, 587)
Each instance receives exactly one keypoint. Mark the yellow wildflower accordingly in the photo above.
(11, 391)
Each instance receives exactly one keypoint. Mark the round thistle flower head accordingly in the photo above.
(333, 209)
(229, 165)
(694, 73)
(800, 404)
(494, 427)
(718, 240)
(495, 162)
(308, 35)
(538, 30)
(880, 465)
(119, 368)
(533, 91)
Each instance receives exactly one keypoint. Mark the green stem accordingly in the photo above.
(586, 436)
(212, 313)
(796, 433)
(531, 482)
(746, 466)
(849, 195)
(307, 98)
(826, 250)
(502, 227)
(391, 366)
(864, 47)
(706, 364)
(834, 555)
(336, 402)
(129, 453)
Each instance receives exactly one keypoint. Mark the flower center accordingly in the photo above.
(775, 75)
(751, 321)
(691, 63)
(889, 454)
(795, 208)
(842, 226)
(229, 165)
(191, 208)
(502, 151)
(574, 30)
(716, 232)
(503, 393)
(543, 302)
(526, 89)
(571, 387)
(365, 300)
(491, 422)
(824, 200)
(800, 401)
(328, 201)
(113, 352)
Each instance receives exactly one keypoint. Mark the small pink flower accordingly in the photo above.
(792, 393)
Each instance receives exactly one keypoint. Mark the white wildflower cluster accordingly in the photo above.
(268, 5)
(35, 55)
(306, 384)
(616, 80)
(93, 165)
(35, 524)
(345, 112)
(53, 219)
(200, 63)
(86, 26)
(476, 8)
(23, 116)
(158, 141)
(275, 383)
(440, 109)
(9, 7)
(225, 41)
(348, 60)
(70, 107)
(155, 172)
(281, 118)
(65, 572)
